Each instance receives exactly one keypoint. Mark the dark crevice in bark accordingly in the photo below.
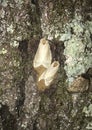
(35, 125)
(8, 120)
(34, 16)
(20, 97)
(23, 48)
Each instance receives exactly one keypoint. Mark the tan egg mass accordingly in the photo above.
(80, 84)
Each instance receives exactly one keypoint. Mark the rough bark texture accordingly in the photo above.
(67, 24)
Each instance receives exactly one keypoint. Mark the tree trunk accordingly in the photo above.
(67, 103)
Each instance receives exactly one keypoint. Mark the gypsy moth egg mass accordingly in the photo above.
(80, 84)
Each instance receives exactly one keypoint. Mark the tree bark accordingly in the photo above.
(67, 25)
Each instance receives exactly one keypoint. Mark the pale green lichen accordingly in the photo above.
(2, 13)
(4, 3)
(88, 113)
(75, 59)
(89, 25)
(78, 50)
(14, 44)
(10, 29)
(16, 63)
(3, 51)
(89, 126)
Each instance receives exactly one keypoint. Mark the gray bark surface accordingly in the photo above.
(67, 25)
